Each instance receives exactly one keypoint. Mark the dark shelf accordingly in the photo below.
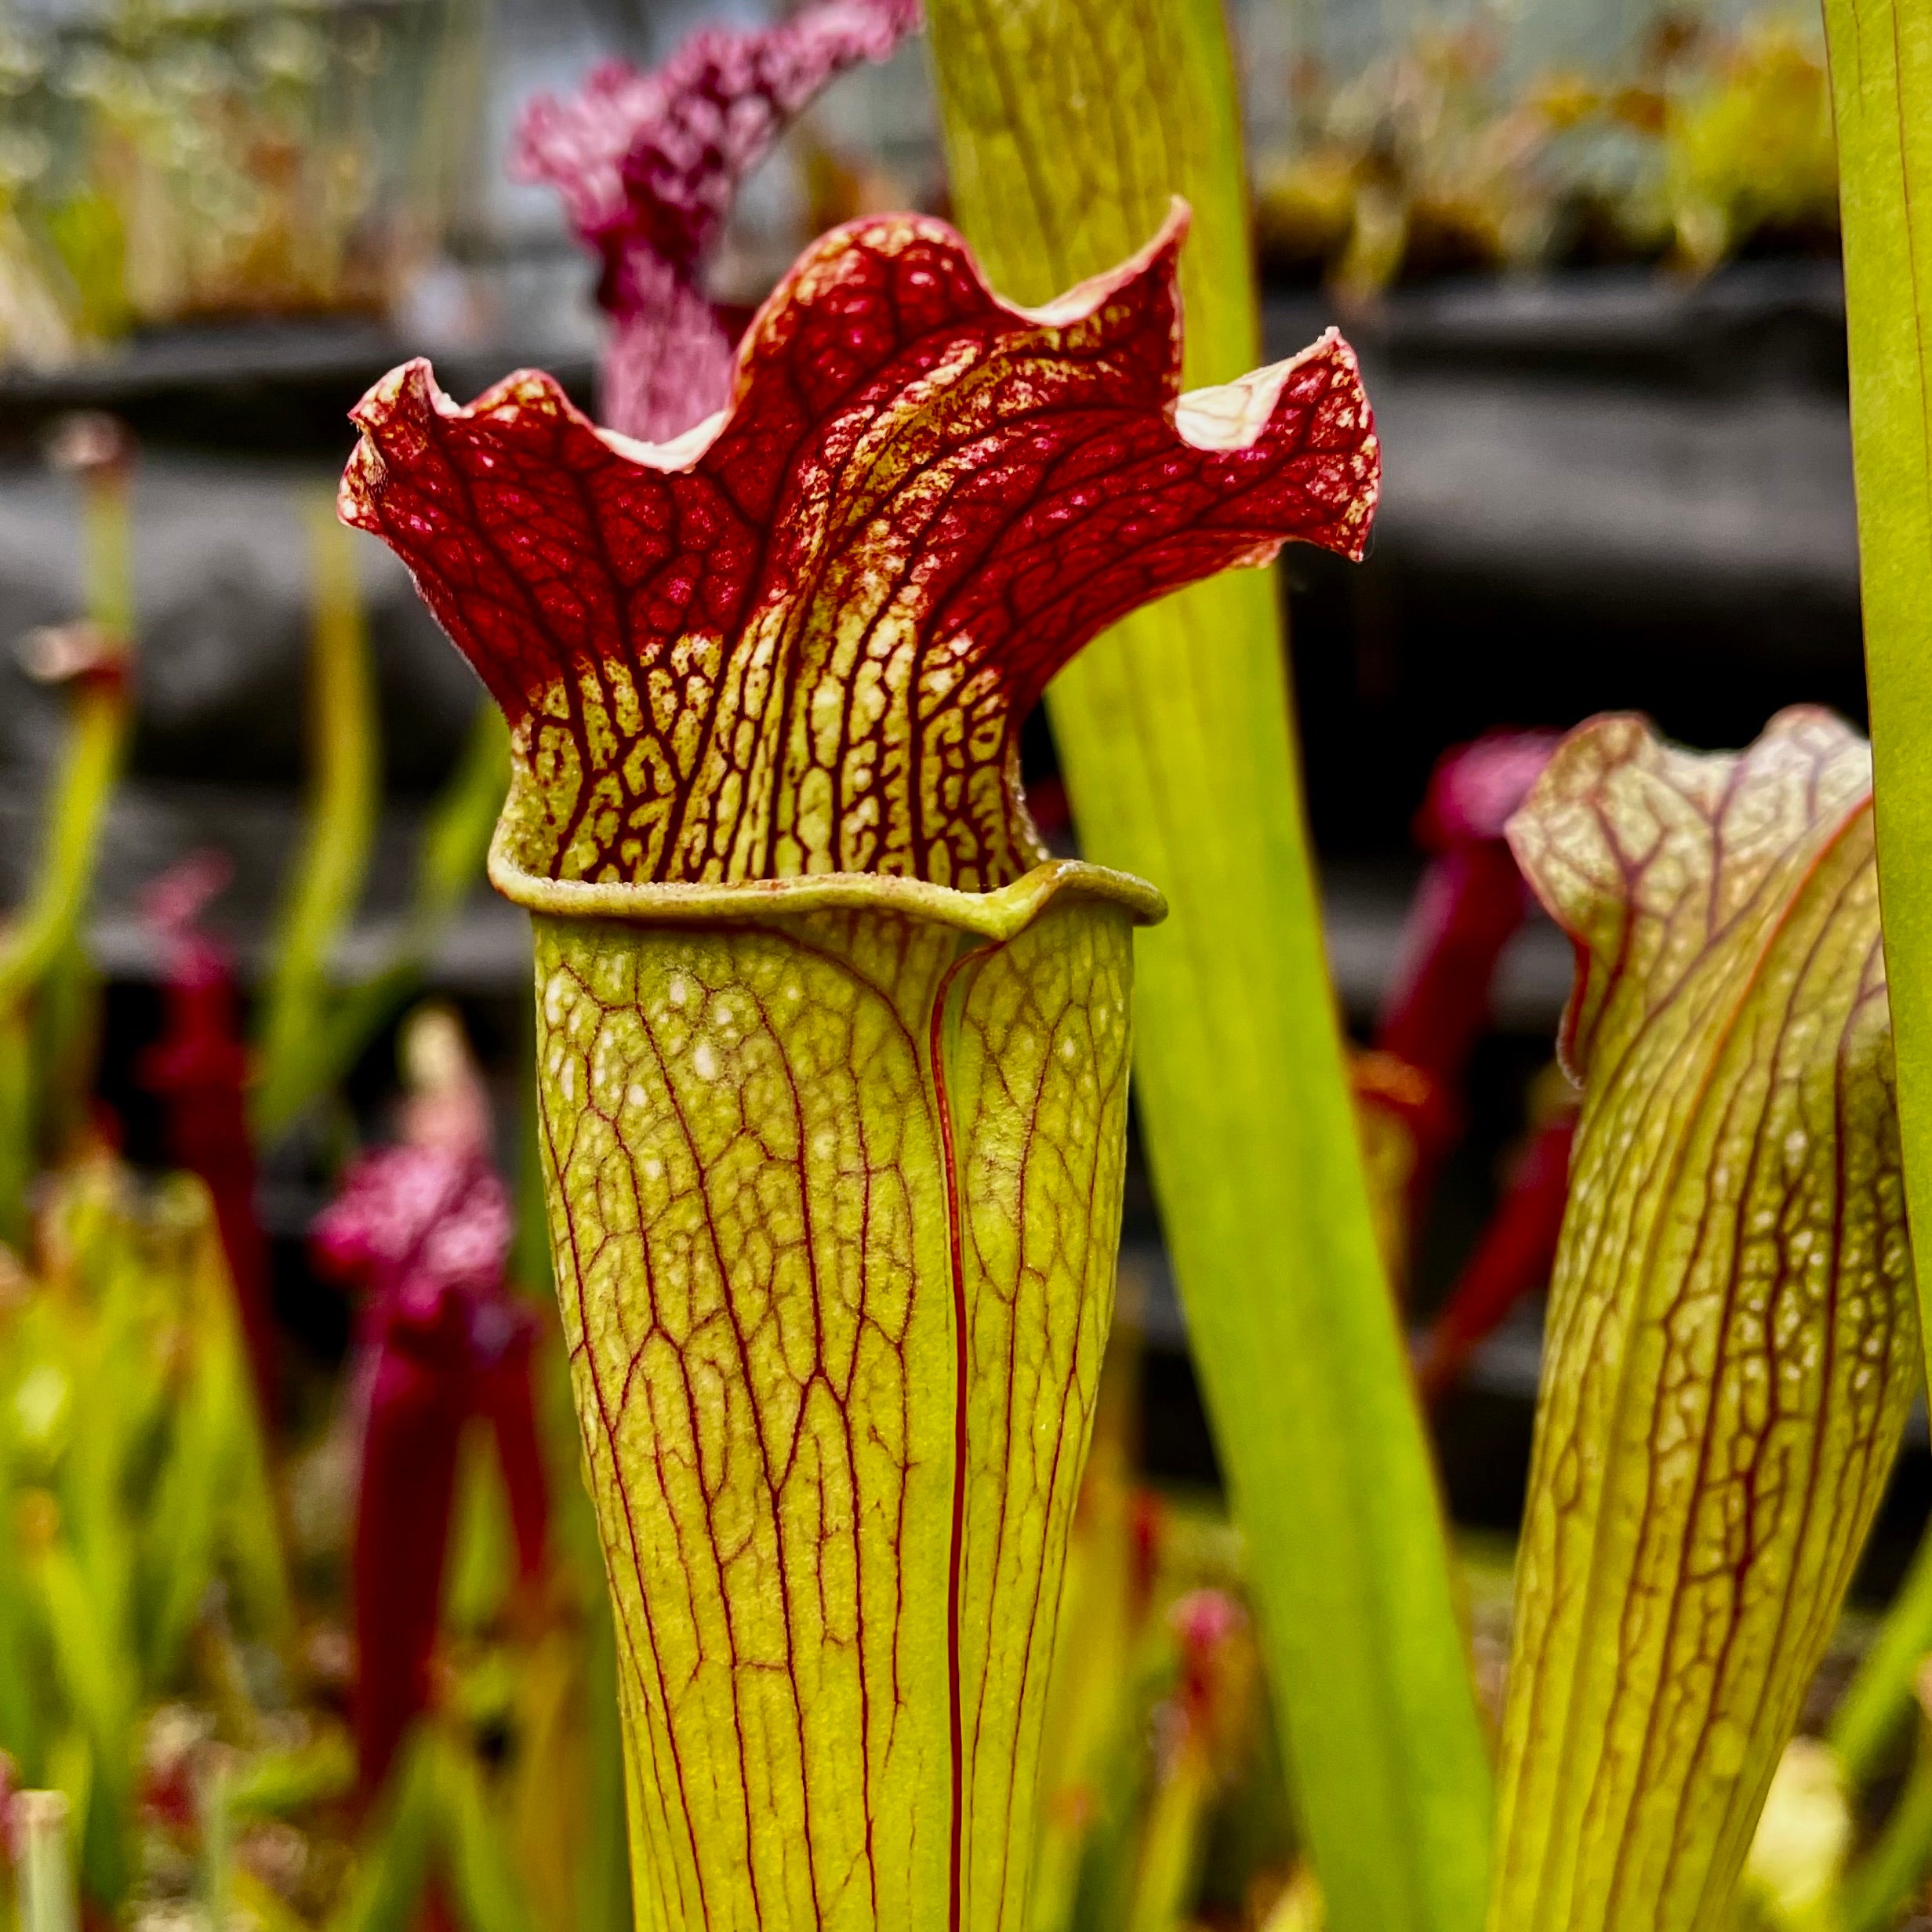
(283, 387)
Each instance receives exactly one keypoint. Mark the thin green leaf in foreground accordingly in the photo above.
(1732, 1342)
(1883, 1692)
(343, 794)
(1881, 66)
(47, 1008)
(449, 866)
(1066, 129)
(315, 1027)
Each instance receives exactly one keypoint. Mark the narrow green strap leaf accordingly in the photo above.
(77, 808)
(455, 841)
(484, 1888)
(285, 1781)
(1875, 1706)
(49, 996)
(21, 1702)
(179, 1542)
(96, 658)
(343, 798)
(249, 1526)
(1173, 1843)
(482, 1561)
(1881, 66)
(393, 1863)
(17, 1118)
(213, 1512)
(1067, 128)
(93, 1675)
(457, 836)
(1880, 1885)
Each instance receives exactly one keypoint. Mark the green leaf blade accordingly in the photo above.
(1881, 1695)
(1880, 55)
(344, 796)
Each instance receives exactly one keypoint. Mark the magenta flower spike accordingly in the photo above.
(1468, 906)
(832, 1055)
(649, 165)
(198, 1068)
(423, 1230)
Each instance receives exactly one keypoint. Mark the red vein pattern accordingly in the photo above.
(802, 639)
(835, 1629)
(1733, 1342)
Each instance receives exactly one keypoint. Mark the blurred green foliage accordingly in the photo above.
(135, 1486)
(1436, 158)
(160, 164)
(314, 1025)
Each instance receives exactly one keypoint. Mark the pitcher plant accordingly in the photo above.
(1732, 1338)
(832, 1057)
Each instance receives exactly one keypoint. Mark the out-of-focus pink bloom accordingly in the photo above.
(1204, 1620)
(199, 1069)
(649, 165)
(423, 1230)
(1468, 906)
(1471, 901)
(1205, 1624)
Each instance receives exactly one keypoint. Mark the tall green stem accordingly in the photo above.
(47, 923)
(449, 864)
(44, 986)
(1874, 1706)
(1881, 65)
(1067, 127)
(1879, 1889)
(343, 786)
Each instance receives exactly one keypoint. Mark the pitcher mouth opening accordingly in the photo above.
(999, 914)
